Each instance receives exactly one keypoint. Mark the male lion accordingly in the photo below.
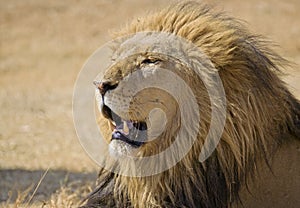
(262, 126)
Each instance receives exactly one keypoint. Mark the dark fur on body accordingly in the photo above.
(261, 115)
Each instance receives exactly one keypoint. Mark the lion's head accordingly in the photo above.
(136, 117)
(140, 119)
(151, 95)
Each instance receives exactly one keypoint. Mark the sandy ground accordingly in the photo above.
(43, 45)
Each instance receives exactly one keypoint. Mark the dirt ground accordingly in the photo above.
(43, 45)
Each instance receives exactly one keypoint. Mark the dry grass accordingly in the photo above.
(69, 194)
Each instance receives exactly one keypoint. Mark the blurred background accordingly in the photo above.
(43, 45)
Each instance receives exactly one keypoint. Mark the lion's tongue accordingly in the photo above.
(126, 132)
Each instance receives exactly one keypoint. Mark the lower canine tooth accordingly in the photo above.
(125, 128)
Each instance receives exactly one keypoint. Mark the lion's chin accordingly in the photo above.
(120, 149)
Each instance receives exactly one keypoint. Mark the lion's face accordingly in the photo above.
(137, 118)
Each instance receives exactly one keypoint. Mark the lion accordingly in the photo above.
(262, 118)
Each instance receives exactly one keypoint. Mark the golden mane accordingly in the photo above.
(261, 115)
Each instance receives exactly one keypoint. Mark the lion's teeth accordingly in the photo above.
(114, 123)
(125, 127)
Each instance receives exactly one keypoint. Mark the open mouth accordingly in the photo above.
(131, 132)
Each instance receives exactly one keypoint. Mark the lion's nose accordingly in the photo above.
(105, 86)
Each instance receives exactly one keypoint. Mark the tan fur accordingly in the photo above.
(261, 116)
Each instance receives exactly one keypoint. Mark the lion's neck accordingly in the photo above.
(195, 186)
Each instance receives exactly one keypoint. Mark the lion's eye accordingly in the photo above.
(150, 61)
